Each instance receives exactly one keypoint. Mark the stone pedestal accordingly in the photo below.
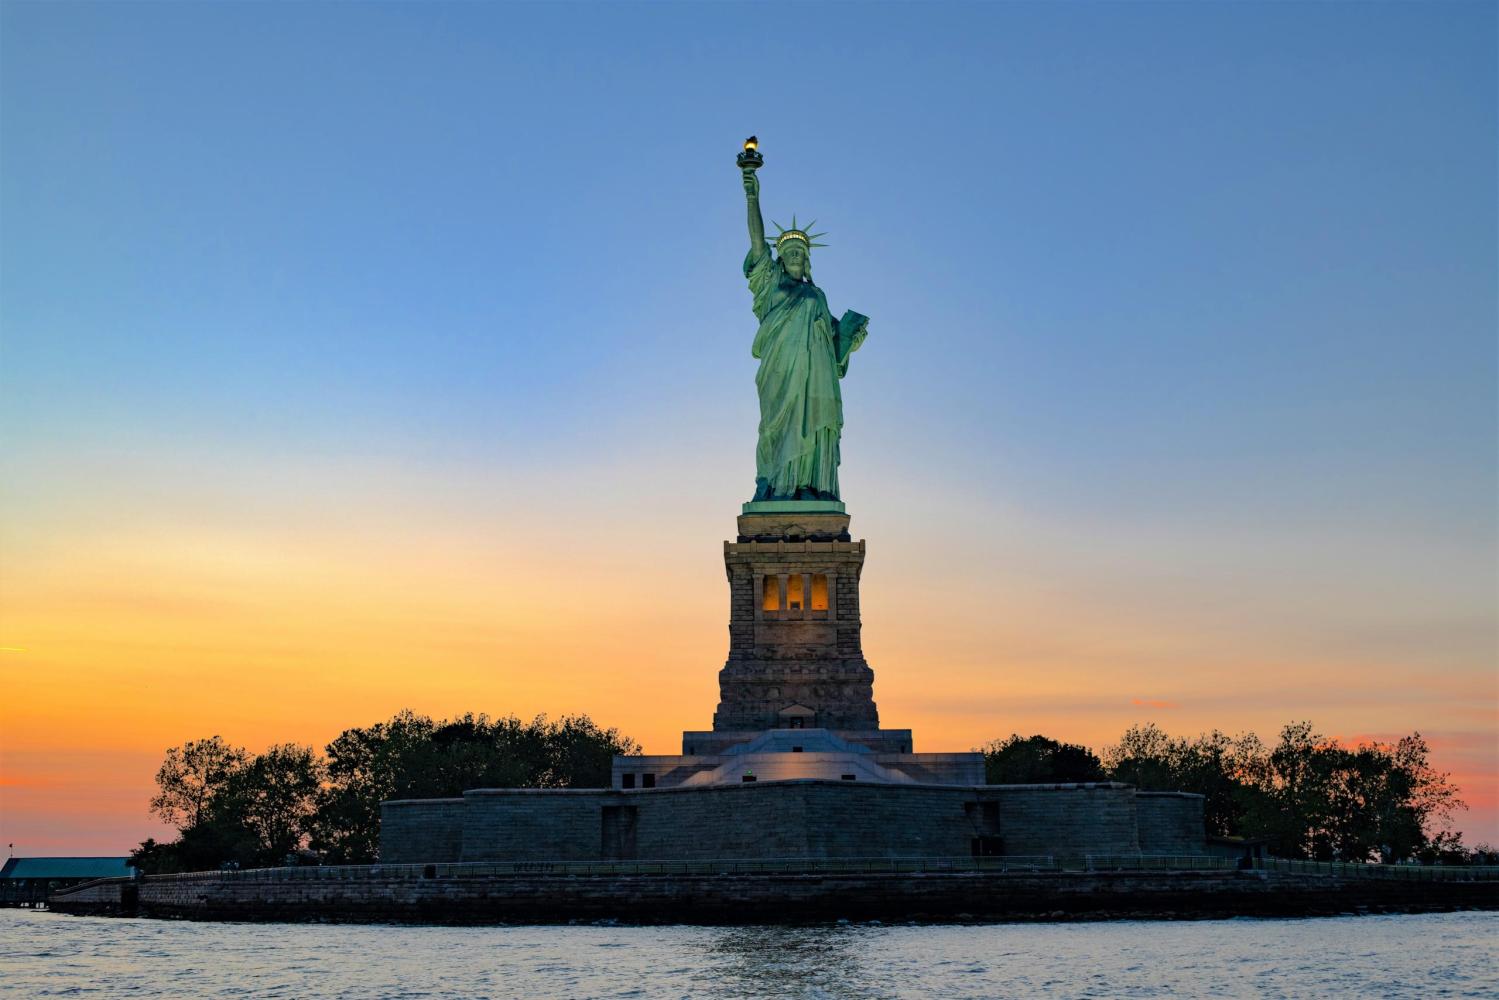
(793, 521)
(795, 659)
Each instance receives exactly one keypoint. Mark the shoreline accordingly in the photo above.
(771, 898)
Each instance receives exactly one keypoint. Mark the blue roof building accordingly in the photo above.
(27, 881)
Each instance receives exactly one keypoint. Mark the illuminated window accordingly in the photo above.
(794, 592)
(771, 591)
(819, 592)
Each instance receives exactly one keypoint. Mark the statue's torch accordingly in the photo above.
(750, 158)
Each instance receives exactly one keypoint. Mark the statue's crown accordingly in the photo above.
(797, 233)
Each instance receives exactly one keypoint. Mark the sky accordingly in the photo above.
(360, 357)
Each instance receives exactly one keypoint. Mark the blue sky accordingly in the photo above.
(1105, 237)
(1186, 310)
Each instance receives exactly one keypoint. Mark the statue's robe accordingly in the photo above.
(803, 352)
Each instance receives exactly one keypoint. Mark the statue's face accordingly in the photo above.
(794, 258)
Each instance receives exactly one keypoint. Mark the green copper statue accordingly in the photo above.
(803, 352)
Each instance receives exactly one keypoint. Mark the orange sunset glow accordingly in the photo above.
(154, 621)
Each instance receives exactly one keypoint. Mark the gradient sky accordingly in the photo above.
(361, 357)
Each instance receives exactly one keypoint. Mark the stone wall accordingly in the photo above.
(105, 897)
(804, 819)
(1171, 822)
(375, 895)
(527, 824)
(418, 831)
(1094, 818)
(780, 819)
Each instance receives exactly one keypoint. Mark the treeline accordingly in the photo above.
(1306, 797)
(251, 810)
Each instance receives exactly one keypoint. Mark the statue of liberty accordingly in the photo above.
(803, 352)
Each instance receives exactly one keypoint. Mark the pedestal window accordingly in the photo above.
(770, 593)
(819, 592)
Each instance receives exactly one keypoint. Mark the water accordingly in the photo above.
(1434, 955)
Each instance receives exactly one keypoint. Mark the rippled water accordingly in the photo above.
(1437, 955)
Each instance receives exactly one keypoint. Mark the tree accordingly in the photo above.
(1212, 765)
(203, 847)
(1373, 800)
(411, 756)
(1295, 779)
(230, 806)
(1432, 796)
(365, 767)
(1034, 760)
(191, 777)
(1143, 758)
(152, 857)
(274, 797)
(1307, 797)
(580, 754)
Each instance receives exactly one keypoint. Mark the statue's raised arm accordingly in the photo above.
(756, 222)
(803, 352)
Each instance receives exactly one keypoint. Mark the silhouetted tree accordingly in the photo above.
(254, 809)
(1213, 765)
(579, 753)
(1308, 796)
(232, 807)
(274, 797)
(1353, 803)
(410, 757)
(366, 766)
(1035, 760)
(191, 777)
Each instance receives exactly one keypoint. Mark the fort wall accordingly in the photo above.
(1170, 822)
(789, 819)
(420, 830)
